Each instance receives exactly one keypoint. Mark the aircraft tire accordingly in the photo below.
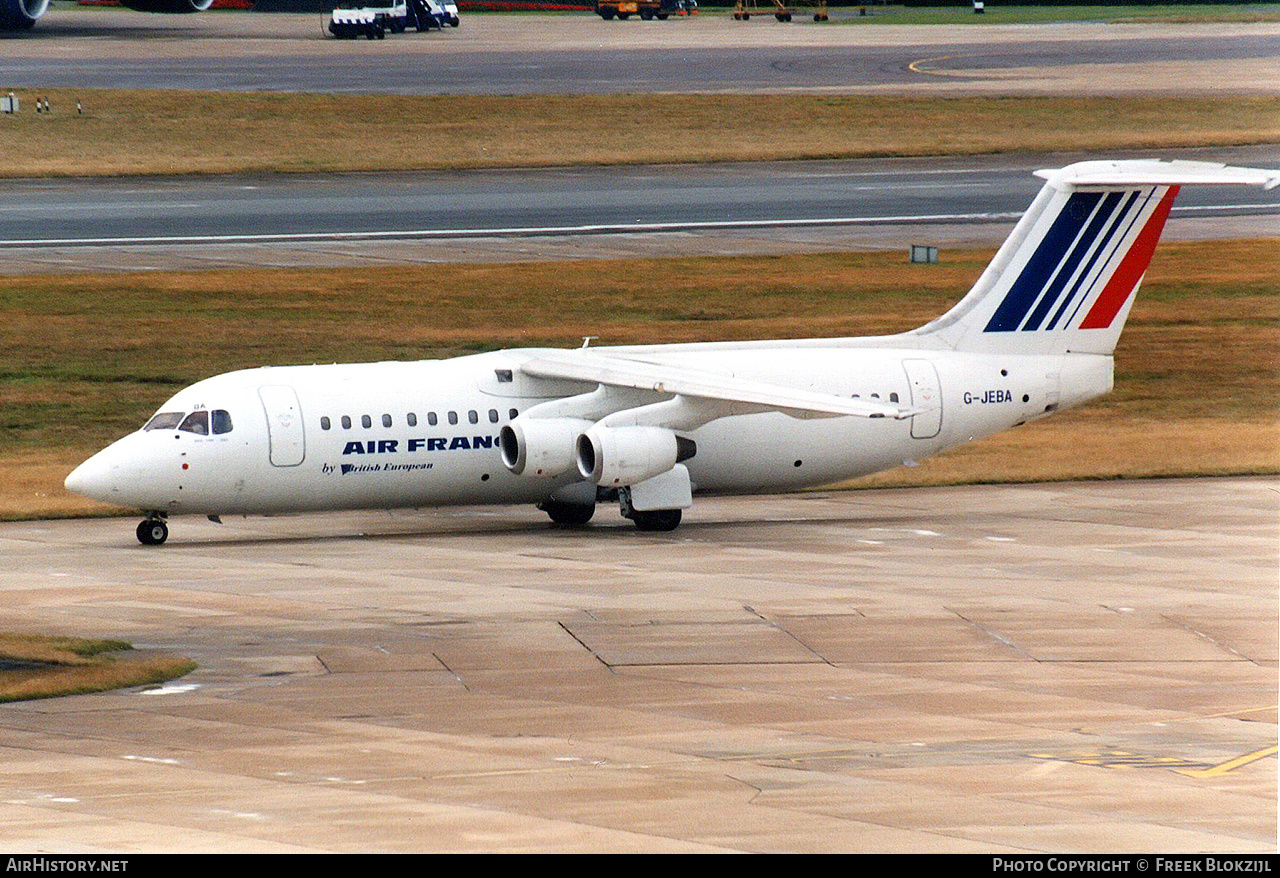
(657, 520)
(152, 532)
(569, 514)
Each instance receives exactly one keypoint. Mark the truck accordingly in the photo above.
(646, 9)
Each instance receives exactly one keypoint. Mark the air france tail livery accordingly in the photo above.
(648, 426)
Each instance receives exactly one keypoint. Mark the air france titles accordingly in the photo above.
(435, 443)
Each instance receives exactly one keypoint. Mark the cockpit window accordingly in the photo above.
(196, 422)
(221, 422)
(164, 421)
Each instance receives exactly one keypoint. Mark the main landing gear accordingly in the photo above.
(152, 531)
(568, 514)
(656, 520)
(578, 514)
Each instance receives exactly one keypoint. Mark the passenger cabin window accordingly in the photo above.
(386, 420)
(366, 421)
(453, 417)
(165, 421)
(511, 415)
(473, 417)
(324, 423)
(412, 419)
(196, 422)
(346, 422)
(432, 419)
(493, 416)
(222, 422)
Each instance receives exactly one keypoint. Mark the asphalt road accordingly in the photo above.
(580, 54)
(570, 201)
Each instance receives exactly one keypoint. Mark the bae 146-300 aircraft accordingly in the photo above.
(650, 426)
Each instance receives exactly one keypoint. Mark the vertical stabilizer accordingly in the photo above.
(1065, 278)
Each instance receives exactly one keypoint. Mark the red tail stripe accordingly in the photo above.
(1132, 268)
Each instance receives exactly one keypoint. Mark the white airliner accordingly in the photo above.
(650, 426)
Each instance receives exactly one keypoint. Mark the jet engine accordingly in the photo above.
(616, 457)
(169, 6)
(541, 447)
(21, 14)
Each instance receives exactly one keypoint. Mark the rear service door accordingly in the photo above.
(926, 393)
(284, 424)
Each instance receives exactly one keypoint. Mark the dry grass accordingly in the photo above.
(49, 667)
(88, 357)
(167, 132)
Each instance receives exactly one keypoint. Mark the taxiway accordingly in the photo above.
(1064, 667)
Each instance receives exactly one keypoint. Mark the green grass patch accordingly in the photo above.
(179, 132)
(38, 666)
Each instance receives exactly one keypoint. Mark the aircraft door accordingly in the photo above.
(284, 424)
(926, 393)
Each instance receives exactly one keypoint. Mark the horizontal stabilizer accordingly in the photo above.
(1157, 173)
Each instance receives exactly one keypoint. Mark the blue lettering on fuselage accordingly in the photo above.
(435, 443)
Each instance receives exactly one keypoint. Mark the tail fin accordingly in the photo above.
(1065, 278)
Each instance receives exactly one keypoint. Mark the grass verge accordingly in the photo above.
(184, 132)
(36, 666)
(87, 358)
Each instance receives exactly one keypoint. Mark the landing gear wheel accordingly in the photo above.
(657, 519)
(570, 514)
(152, 532)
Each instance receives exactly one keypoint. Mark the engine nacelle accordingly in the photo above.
(171, 7)
(616, 457)
(21, 14)
(542, 447)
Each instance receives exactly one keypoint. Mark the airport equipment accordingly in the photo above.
(396, 16)
(646, 9)
(373, 22)
(743, 10)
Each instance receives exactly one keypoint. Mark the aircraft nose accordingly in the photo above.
(90, 479)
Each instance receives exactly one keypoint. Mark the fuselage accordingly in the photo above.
(425, 433)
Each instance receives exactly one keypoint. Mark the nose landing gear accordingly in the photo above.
(152, 531)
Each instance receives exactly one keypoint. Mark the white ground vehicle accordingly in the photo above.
(434, 13)
(371, 22)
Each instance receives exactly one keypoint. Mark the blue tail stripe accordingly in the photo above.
(1077, 254)
(1026, 289)
(1102, 247)
(1118, 249)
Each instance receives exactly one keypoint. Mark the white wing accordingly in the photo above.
(615, 371)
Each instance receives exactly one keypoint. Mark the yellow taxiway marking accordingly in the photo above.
(1124, 759)
(1230, 765)
(916, 69)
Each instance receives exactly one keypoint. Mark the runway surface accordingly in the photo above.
(581, 54)
(1067, 667)
(181, 222)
